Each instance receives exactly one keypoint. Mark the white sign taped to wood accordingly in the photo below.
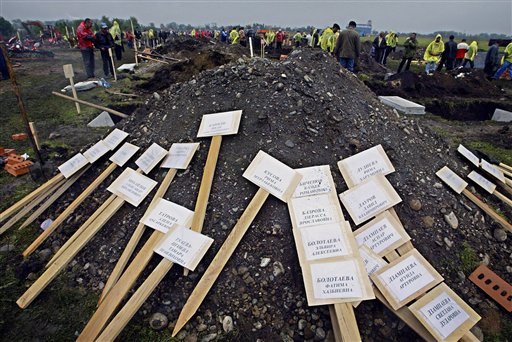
(336, 280)
(179, 155)
(452, 179)
(148, 160)
(361, 166)
(132, 186)
(316, 180)
(469, 155)
(164, 214)
(326, 241)
(96, 151)
(315, 210)
(124, 154)
(487, 185)
(493, 170)
(372, 261)
(74, 164)
(115, 138)
(225, 123)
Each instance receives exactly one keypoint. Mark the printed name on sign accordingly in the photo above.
(487, 185)
(179, 155)
(336, 280)
(444, 314)
(164, 214)
(359, 167)
(184, 247)
(493, 170)
(469, 155)
(275, 177)
(369, 198)
(383, 234)
(148, 160)
(315, 180)
(73, 165)
(225, 123)
(124, 154)
(315, 210)
(406, 278)
(326, 241)
(452, 179)
(115, 138)
(132, 186)
(372, 261)
(96, 151)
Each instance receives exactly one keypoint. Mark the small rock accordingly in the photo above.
(278, 268)
(415, 204)
(156, 96)
(438, 185)
(319, 334)
(289, 144)
(486, 259)
(7, 248)
(354, 143)
(53, 135)
(44, 255)
(181, 335)
(307, 79)
(158, 321)
(190, 338)
(32, 276)
(279, 86)
(209, 337)
(227, 324)
(452, 220)
(201, 327)
(448, 242)
(428, 221)
(478, 333)
(500, 235)
(264, 262)
(302, 324)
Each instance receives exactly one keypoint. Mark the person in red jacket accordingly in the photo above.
(279, 39)
(85, 37)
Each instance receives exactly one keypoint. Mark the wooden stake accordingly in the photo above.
(335, 324)
(488, 210)
(111, 111)
(113, 64)
(153, 59)
(54, 269)
(220, 260)
(505, 171)
(69, 210)
(69, 40)
(70, 74)
(503, 198)
(347, 322)
(135, 44)
(75, 95)
(34, 133)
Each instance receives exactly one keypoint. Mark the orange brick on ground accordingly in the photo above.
(18, 169)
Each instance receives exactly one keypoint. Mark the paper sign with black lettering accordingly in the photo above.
(326, 241)
(315, 180)
(225, 123)
(493, 170)
(487, 185)
(469, 155)
(96, 151)
(124, 154)
(361, 166)
(382, 234)
(179, 155)
(272, 175)
(184, 247)
(369, 198)
(132, 186)
(452, 179)
(315, 210)
(115, 138)
(445, 315)
(74, 164)
(406, 278)
(338, 279)
(164, 214)
(152, 156)
(372, 261)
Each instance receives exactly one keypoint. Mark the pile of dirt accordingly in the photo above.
(304, 111)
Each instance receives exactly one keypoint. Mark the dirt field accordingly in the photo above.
(313, 115)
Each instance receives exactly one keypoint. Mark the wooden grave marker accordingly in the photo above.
(113, 64)
(469, 155)
(488, 186)
(70, 74)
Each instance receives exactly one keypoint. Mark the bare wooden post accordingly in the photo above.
(67, 35)
(34, 132)
(135, 44)
(69, 74)
(113, 65)
(111, 111)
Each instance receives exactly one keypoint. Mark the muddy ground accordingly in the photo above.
(305, 112)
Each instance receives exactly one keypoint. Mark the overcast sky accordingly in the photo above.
(470, 16)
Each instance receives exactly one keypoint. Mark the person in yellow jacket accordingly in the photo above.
(151, 37)
(193, 33)
(506, 63)
(297, 38)
(326, 40)
(470, 55)
(115, 32)
(332, 41)
(270, 37)
(433, 54)
(391, 40)
(234, 37)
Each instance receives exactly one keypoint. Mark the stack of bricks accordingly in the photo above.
(16, 165)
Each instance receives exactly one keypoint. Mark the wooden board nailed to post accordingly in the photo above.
(114, 138)
(315, 180)
(152, 156)
(96, 151)
(132, 187)
(406, 278)
(124, 154)
(165, 214)
(446, 316)
(225, 123)
(68, 70)
(74, 164)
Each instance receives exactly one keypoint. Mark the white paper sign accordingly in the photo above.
(324, 241)
(315, 180)
(220, 124)
(272, 175)
(96, 151)
(115, 138)
(132, 186)
(444, 314)
(148, 160)
(372, 262)
(184, 247)
(73, 165)
(124, 154)
(359, 167)
(316, 210)
(452, 179)
(493, 170)
(165, 214)
(369, 198)
(336, 280)
(179, 155)
(469, 155)
(482, 181)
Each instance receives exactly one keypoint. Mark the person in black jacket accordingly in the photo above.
(104, 42)
(492, 61)
(448, 56)
(380, 46)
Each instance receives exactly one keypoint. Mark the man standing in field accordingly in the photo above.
(85, 38)
(471, 54)
(104, 42)
(507, 63)
(462, 48)
(380, 47)
(410, 46)
(491, 59)
(432, 54)
(448, 56)
(348, 46)
(391, 41)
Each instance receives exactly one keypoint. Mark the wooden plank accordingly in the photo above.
(111, 111)
(113, 64)
(136, 236)
(75, 95)
(391, 256)
(505, 166)
(27, 199)
(220, 259)
(34, 133)
(502, 197)
(54, 269)
(505, 171)
(335, 324)
(347, 322)
(55, 196)
(69, 210)
(488, 210)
